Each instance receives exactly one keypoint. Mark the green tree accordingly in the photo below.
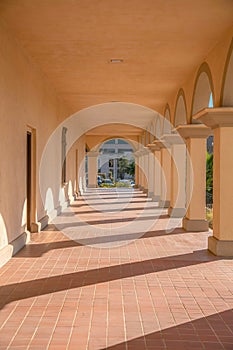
(209, 178)
(131, 168)
(123, 165)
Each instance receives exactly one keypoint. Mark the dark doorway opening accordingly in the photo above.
(29, 179)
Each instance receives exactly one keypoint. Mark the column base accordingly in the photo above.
(219, 247)
(145, 190)
(92, 186)
(195, 225)
(176, 212)
(164, 203)
(35, 227)
(13, 247)
(155, 198)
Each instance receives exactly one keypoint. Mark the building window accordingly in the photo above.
(122, 142)
(110, 142)
(63, 155)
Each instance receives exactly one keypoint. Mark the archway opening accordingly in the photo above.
(180, 117)
(209, 172)
(227, 86)
(116, 163)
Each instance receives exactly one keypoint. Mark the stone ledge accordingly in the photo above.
(220, 248)
(13, 247)
(155, 198)
(145, 190)
(176, 212)
(164, 203)
(195, 225)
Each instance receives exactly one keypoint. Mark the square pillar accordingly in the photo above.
(156, 173)
(143, 169)
(165, 197)
(142, 172)
(146, 170)
(151, 175)
(139, 170)
(157, 176)
(177, 207)
(221, 121)
(195, 136)
(136, 174)
(92, 168)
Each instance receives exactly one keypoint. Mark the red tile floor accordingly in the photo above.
(110, 273)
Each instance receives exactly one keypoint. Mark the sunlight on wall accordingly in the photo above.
(3, 233)
(49, 202)
(62, 196)
(24, 214)
(70, 190)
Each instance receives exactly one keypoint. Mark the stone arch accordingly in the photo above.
(203, 88)
(147, 137)
(152, 136)
(166, 128)
(180, 116)
(158, 128)
(129, 141)
(227, 84)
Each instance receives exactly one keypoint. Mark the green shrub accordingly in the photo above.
(209, 217)
(123, 184)
(107, 185)
(209, 178)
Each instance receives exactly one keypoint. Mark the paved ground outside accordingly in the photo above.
(111, 273)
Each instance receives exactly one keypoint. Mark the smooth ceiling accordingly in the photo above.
(160, 41)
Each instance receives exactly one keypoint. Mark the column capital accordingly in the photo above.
(191, 131)
(93, 154)
(144, 151)
(173, 139)
(136, 154)
(141, 152)
(152, 147)
(215, 117)
(159, 144)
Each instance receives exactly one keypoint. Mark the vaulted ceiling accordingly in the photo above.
(161, 42)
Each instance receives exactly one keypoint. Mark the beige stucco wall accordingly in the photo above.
(76, 168)
(26, 99)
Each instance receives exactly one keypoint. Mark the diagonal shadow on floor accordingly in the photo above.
(38, 249)
(110, 197)
(94, 211)
(33, 288)
(212, 332)
(61, 226)
(109, 203)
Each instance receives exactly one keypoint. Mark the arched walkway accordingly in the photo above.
(127, 283)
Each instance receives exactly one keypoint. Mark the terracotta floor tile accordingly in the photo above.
(122, 284)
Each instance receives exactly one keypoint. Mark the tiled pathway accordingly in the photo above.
(126, 282)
